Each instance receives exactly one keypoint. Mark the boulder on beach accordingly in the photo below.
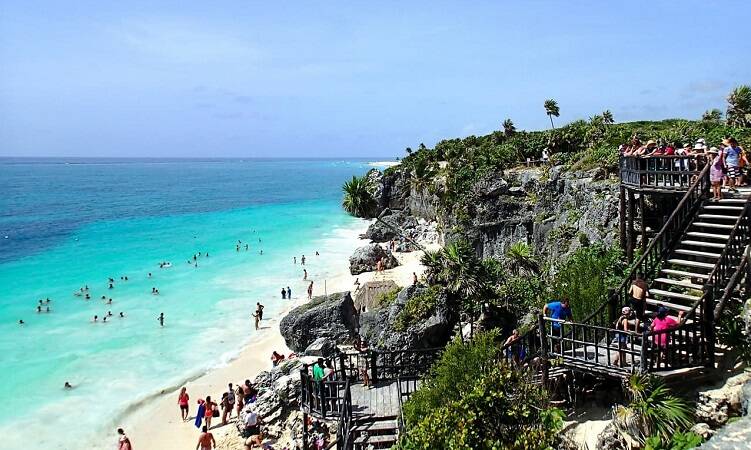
(332, 317)
(365, 259)
(391, 224)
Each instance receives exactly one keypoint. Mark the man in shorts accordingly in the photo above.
(732, 156)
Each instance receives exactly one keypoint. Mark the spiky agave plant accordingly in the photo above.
(358, 200)
(520, 259)
(652, 410)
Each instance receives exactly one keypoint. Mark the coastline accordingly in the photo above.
(157, 425)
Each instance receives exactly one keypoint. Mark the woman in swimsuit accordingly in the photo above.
(182, 401)
(209, 413)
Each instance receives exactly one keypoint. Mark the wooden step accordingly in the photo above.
(703, 244)
(679, 283)
(673, 306)
(724, 237)
(712, 225)
(379, 441)
(681, 251)
(681, 273)
(724, 208)
(717, 216)
(662, 293)
(683, 262)
(375, 427)
(734, 201)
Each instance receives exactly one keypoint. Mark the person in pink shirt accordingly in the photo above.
(662, 322)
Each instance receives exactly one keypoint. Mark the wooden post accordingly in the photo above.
(622, 217)
(611, 308)
(631, 234)
(543, 349)
(373, 370)
(643, 226)
(305, 431)
(643, 363)
(708, 327)
(341, 366)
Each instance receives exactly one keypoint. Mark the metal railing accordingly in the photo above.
(660, 172)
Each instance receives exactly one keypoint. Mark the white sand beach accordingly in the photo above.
(157, 426)
(384, 164)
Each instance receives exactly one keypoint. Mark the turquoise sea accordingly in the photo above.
(67, 223)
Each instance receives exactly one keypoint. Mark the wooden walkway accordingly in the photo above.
(381, 400)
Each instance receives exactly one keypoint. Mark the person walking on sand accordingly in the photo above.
(123, 443)
(310, 291)
(240, 399)
(205, 440)
(183, 402)
(259, 310)
(209, 411)
(302, 260)
(161, 319)
(230, 399)
(294, 260)
(304, 274)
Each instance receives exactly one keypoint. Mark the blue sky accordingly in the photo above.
(346, 78)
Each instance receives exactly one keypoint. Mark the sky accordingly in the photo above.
(347, 78)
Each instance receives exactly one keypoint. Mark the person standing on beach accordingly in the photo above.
(284, 294)
(205, 440)
(414, 279)
(183, 402)
(209, 411)
(310, 291)
(259, 310)
(161, 319)
(294, 260)
(289, 293)
(123, 443)
(302, 260)
(240, 398)
(304, 274)
(257, 318)
(231, 399)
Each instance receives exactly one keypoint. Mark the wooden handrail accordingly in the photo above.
(660, 237)
(746, 260)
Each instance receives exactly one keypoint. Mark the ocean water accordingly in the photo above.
(69, 223)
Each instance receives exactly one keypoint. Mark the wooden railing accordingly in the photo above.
(384, 365)
(324, 399)
(650, 262)
(732, 254)
(344, 430)
(660, 172)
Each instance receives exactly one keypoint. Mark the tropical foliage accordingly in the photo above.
(739, 107)
(652, 411)
(551, 109)
(471, 401)
(358, 200)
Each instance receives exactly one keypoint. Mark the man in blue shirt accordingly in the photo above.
(561, 311)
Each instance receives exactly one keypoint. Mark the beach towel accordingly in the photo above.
(199, 415)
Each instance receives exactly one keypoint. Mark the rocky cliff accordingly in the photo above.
(554, 211)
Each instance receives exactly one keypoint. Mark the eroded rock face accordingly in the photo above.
(716, 406)
(365, 259)
(377, 326)
(332, 317)
(391, 220)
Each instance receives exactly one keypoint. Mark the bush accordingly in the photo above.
(471, 401)
(386, 298)
(419, 307)
(587, 275)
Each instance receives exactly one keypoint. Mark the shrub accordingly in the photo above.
(471, 401)
(386, 298)
(419, 307)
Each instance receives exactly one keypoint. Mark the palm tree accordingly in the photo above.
(358, 200)
(739, 107)
(408, 150)
(422, 174)
(520, 259)
(551, 109)
(652, 410)
(508, 128)
(712, 115)
(607, 117)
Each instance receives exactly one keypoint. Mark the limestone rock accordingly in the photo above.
(332, 317)
(365, 259)
(391, 221)
(321, 347)
(611, 439)
(716, 406)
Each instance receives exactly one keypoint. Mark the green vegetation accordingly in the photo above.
(678, 441)
(653, 411)
(386, 298)
(418, 307)
(586, 276)
(358, 200)
(471, 401)
(579, 145)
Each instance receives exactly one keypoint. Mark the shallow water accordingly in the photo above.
(74, 224)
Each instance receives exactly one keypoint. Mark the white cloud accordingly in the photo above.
(184, 42)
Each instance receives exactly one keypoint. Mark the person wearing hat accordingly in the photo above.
(716, 172)
(627, 322)
(661, 325)
(732, 159)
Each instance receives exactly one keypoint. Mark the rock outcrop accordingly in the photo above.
(365, 259)
(378, 326)
(384, 230)
(332, 317)
(716, 406)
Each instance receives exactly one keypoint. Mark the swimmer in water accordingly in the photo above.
(109, 313)
(104, 297)
(261, 252)
(122, 316)
(39, 309)
(111, 286)
(88, 297)
(96, 318)
(48, 309)
(68, 385)
(161, 319)
(149, 274)
(104, 320)
(21, 322)
(109, 302)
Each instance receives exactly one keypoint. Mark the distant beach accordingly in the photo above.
(383, 164)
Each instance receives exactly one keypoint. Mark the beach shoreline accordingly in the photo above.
(157, 424)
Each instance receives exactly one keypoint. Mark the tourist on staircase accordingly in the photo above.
(638, 295)
(662, 324)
